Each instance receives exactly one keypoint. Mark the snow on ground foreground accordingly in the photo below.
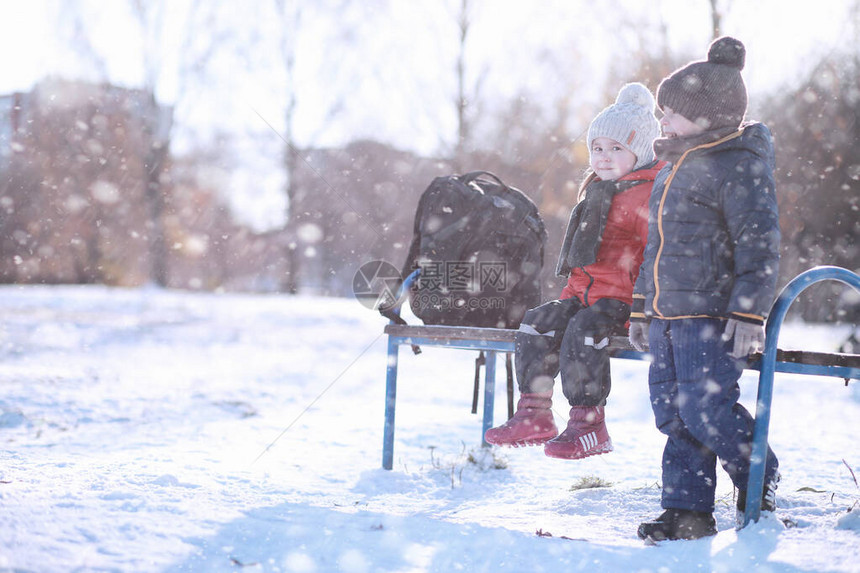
(148, 430)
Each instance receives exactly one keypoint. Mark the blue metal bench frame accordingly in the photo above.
(769, 365)
(490, 347)
(493, 341)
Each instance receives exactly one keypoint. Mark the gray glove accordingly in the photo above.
(638, 335)
(748, 337)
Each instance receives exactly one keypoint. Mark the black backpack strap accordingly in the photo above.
(392, 313)
(532, 219)
(472, 175)
(479, 361)
(509, 367)
(392, 316)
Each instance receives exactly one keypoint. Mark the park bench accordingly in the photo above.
(492, 341)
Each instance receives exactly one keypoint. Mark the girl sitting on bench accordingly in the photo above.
(600, 256)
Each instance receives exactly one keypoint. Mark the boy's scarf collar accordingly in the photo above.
(671, 149)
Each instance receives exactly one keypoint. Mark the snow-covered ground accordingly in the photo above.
(145, 430)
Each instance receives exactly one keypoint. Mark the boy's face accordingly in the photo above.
(609, 159)
(676, 125)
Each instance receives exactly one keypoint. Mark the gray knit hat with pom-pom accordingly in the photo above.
(710, 93)
(630, 121)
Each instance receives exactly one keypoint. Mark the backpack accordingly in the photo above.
(479, 245)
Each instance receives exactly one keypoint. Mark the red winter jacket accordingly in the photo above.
(614, 272)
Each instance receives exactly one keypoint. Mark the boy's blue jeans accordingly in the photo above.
(693, 383)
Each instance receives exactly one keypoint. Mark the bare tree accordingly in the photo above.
(463, 24)
(73, 31)
(716, 19)
(290, 16)
(150, 18)
(313, 196)
(817, 127)
(467, 98)
(717, 14)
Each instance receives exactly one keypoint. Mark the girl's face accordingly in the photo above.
(676, 125)
(610, 160)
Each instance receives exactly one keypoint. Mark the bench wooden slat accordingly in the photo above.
(442, 333)
(814, 358)
(451, 332)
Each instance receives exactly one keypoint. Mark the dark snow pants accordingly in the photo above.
(568, 337)
(693, 382)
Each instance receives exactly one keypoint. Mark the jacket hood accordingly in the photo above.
(755, 138)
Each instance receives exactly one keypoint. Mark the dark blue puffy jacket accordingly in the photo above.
(713, 233)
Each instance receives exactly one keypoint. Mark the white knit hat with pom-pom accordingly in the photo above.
(631, 122)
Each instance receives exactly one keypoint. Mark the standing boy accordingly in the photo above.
(706, 283)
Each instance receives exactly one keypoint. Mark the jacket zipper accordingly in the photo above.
(660, 214)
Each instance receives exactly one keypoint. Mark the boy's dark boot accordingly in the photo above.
(531, 425)
(768, 499)
(678, 524)
(585, 435)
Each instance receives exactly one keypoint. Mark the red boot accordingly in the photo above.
(585, 435)
(531, 425)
